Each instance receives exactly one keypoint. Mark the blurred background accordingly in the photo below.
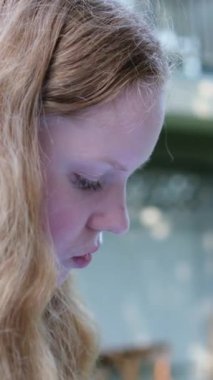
(151, 291)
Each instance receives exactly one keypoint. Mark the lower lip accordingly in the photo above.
(82, 261)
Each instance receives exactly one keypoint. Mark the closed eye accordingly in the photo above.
(85, 184)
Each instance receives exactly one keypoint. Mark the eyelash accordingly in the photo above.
(85, 184)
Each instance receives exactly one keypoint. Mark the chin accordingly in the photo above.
(62, 276)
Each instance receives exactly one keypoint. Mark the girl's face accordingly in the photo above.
(87, 159)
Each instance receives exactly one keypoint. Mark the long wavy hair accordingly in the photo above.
(56, 56)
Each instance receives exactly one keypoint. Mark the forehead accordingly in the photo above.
(116, 128)
(132, 106)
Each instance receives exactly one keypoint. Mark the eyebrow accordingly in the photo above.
(116, 165)
(105, 161)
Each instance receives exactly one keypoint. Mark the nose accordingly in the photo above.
(114, 219)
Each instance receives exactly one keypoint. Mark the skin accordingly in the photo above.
(105, 144)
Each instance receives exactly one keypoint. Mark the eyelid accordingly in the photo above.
(85, 184)
(88, 176)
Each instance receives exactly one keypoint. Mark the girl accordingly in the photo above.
(81, 108)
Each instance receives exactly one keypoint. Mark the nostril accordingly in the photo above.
(115, 220)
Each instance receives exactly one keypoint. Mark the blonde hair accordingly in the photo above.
(56, 56)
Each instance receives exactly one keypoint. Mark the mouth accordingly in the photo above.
(82, 261)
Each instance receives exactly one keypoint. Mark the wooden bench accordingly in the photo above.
(127, 362)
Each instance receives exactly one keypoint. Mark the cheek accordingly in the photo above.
(60, 221)
(63, 219)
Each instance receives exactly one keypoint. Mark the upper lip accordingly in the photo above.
(86, 252)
